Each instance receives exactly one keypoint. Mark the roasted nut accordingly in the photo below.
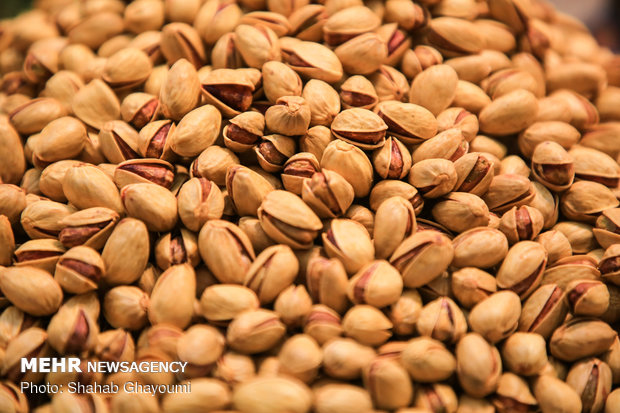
(367, 325)
(552, 166)
(496, 317)
(433, 177)
(255, 331)
(461, 211)
(442, 320)
(581, 337)
(478, 365)
(287, 219)
(429, 250)
(351, 163)
(226, 250)
(394, 222)
(427, 360)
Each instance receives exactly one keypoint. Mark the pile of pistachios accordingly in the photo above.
(336, 206)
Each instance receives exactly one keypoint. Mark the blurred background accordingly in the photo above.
(601, 16)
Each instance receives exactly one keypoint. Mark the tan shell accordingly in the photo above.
(409, 122)
(96, 103)
(360, 127)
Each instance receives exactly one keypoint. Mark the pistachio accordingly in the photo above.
(313, 60)
(522, 269)
(243, 131)
(584, 200)
(207, 392)
(126, 252)
(434, 88)
(427, 360)
(228, 91)
(478, 365)
(119, 141)
(591, 379)
(255, 331)
(181, 41)
(394, 222)
(327, 282)
(513, 391)
(199, 200)
(175, 248)
(138, 109)
(496, 317)
(351, 163)
(377, 284)
(358, 92)
(95, 104)
(215, 18)
(221, 303)
(126, 307)
(410, 123)
(246, 188)
(525, 353)
(507, 191)
(424, 249)
(73, 329)
(296, 169)
(323, 101)
(134, 171)
(556, 244)
(572, 268)
(433, 177)
(479, 247)
(32, 116)
(79, 270)
(511, 113)
(362, 54)
(461, 211)
(555, 395)
(29, 344)
(360, 127)
(78, 187)
(436, 396)
(274, 19)
(322, 323)
(19, 283)
(63, 138)
(234, 254)
(176, 283)
(13, 167)
(286, 219)
(587, 298)
(581, 337)
(367, 325)
(471, 285)
(390, 84)
(257, 44)
(420, 58)
(388, 383)
(273, 270)
(460, 119)
(442, 320)
(454, 36)
(304, 368)
(349, 23)
(154, 205)
(290, 116)
(196, 131)
(348, 241)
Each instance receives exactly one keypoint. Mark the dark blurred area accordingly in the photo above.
(10, 8)
(601, 16)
